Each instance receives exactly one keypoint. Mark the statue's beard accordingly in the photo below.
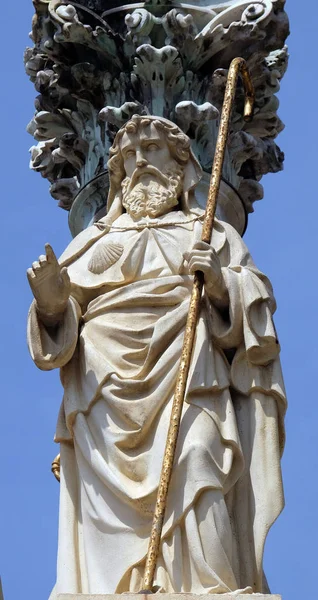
(154, 197)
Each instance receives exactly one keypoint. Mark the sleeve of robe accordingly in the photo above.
(53, 348)
(258, 394)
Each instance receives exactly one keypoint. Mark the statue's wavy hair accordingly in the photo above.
(178, 143)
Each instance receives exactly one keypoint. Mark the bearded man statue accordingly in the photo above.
(111, 315)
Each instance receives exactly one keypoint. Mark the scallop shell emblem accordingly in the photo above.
(104, 256)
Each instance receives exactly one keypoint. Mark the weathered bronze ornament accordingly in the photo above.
(97, 63)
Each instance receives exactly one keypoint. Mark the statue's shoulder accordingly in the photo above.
(82, 242)
(228, 232)
(219, 235)
(228, 242)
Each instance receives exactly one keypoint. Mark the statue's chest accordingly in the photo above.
(124, 256)
(157, 252)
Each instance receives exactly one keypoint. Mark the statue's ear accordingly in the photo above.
(192, 173)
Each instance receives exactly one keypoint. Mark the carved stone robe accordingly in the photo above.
(118, 348)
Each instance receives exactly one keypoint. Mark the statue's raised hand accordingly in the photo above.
(50, 285)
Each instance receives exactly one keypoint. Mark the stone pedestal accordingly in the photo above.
(169, 597)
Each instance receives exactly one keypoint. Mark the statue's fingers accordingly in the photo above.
(42, 260)
(65, 276)
(193, 255)
(201, 246)
(36, 266)
(197, 265)
(30, 275)
(199, 255)
(50, 254)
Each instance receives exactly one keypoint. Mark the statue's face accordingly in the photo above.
(153, 179)
(146, 147)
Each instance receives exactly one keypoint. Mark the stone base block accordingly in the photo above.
(169, 597)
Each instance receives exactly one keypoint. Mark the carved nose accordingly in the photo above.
(140, 160)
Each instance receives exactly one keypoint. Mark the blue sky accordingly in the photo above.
(282, 237)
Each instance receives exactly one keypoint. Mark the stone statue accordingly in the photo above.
(111, 315)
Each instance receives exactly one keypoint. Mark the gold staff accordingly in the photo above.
(56, 467)
(238, 66)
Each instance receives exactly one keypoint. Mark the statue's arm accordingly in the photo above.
(248, 322)
(241, 298)
(54, 314)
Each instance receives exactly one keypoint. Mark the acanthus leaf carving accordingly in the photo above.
(158, 77)
(181, 32)
(64, 190)
(118, 116)
(250, 191)
(139, 24)
(61, 24)
(190, 113)
(46, 125)
(164, 59)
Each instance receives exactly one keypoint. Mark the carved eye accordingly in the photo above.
(152, 147)
(130, 153)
